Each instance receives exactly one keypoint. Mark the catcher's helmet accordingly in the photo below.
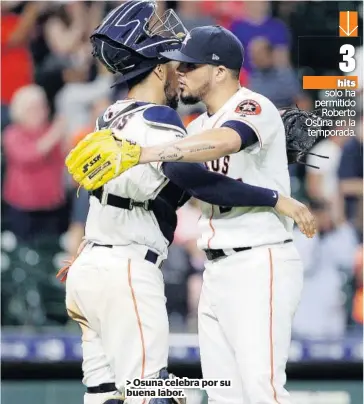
(130, 38)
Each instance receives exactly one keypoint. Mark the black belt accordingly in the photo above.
(215, 254)
(119, 202)
(150, 256)
(102, 388)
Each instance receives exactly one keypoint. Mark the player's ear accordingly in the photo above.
(160, 72)
(220, 73)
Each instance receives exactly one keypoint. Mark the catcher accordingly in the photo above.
(114, 288)
(244, 138)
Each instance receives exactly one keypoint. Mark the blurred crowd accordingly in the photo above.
(52, 91)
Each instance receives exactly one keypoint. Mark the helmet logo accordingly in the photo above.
(187, 38)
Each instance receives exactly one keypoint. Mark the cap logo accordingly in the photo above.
(187, 38)
(215, 57)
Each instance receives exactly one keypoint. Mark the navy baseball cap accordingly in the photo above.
(212, 45)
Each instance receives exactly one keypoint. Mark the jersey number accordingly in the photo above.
(120, 123)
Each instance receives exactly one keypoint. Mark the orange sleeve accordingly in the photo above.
(80, 135)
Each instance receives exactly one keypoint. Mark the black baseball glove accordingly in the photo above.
(298, 139)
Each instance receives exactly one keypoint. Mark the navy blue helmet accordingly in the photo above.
(131, 37)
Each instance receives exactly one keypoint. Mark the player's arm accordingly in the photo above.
(251, 125)
(217, 189)
(235, 134)
(206, 146)
(104, 154)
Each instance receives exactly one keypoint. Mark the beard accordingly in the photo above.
(190, 99)
(172, 98)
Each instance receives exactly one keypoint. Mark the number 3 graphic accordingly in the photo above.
(348, 64)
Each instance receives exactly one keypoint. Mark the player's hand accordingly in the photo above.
(299, 213)
(100, 157)
(63, 272)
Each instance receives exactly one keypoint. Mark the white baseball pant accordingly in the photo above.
(246, 309)
(118, 300)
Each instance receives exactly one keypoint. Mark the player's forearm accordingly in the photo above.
(314, 185)
(352, 187)
(209, 145)
(48, 141)
(21, 34)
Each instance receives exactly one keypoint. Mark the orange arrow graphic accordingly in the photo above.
(348, 21)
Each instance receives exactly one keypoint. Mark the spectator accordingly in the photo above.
(187, 118)
(191, 15)
(257, 22)
(33, 184)
(80, 200)
(96, 109)
(279, 84)
(285, 9)
(68, 23)
(357, 313)
(351, 177)
(243, 78)
(68, 60)
(179, 275)
(76, 229)
(74, 99)
(321, 312)
(224, 12)
(324, 183)
(16, 59)
(161, 7)
(186, 234)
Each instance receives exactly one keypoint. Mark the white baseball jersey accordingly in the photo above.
(262, 164)
(148, 125)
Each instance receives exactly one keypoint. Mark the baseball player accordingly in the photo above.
(253, 277)
(114, 288)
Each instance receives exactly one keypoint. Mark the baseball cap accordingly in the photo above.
(213, 45)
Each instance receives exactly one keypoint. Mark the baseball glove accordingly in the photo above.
(100, 157)
(299, 140)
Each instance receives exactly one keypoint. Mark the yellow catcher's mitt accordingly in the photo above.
(100, 157)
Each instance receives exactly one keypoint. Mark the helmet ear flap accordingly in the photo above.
(118, 58)
(142, 37)
(114, 56)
